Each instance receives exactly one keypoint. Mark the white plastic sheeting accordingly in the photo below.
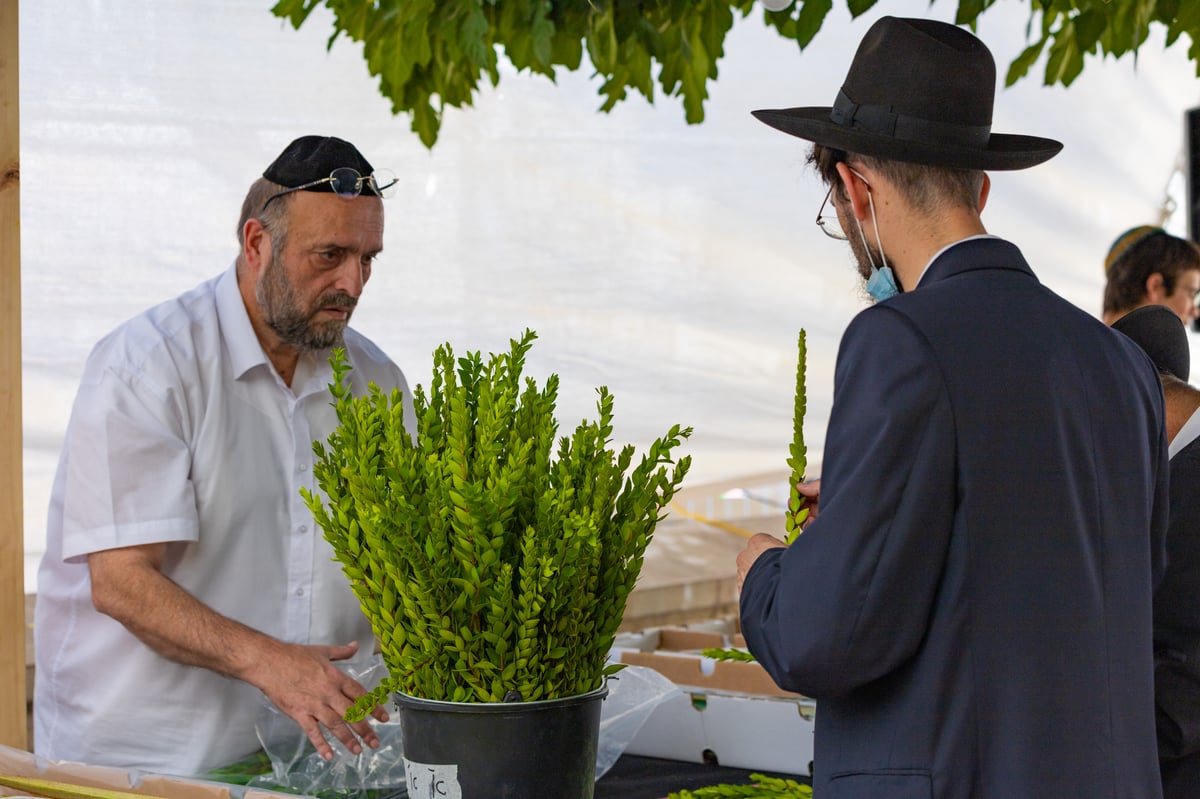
(672, 263)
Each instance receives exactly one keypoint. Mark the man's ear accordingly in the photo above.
(855, 188)
(1155, 291)
(256, 245)
(984, 190)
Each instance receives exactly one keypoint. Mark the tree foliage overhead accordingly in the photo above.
(430, 54)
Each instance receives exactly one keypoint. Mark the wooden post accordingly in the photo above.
(12, 529)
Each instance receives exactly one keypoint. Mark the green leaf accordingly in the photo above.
(543, 35)
(969, 10)
(1089, 27)
(812, 16)
(425, 123)
(602, 42)
(716, 20)
(738, 655)
(1065, 60)
(473, 38)
(352, 18)
(1021, 64)
(430, 54)
(294, 11)
(860, 7)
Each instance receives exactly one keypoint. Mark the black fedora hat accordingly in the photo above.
(1159, 331)
(918, 91)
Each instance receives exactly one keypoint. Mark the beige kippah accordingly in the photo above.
(1126, 241)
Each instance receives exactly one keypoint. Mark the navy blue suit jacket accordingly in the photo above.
(1177, 634)
(972, 606)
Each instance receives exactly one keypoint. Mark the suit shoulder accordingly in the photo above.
(891, 322)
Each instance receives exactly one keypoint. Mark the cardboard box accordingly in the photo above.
(725, 712)
(19, 763)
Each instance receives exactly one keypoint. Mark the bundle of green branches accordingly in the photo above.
(797, 450)
(797, 509)
(492, 568)
(764, 787)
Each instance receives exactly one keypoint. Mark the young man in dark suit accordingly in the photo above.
(971, 607)
(1156, 330)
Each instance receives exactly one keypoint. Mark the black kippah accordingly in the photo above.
(1159, 331)
(311, 158)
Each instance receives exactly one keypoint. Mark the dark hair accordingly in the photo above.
(926, 188)
(1135, 256)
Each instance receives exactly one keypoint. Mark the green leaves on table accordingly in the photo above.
(764, 787)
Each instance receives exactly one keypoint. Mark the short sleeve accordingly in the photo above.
(127, 465)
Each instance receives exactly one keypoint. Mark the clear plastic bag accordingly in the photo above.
(378, 773)
(296, 766)
(633, 693)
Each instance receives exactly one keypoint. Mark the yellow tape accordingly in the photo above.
(65, 790)
(726, 526)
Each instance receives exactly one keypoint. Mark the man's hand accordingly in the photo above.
(754, 547)
(128, 585)
(811, 491)
(303, 683)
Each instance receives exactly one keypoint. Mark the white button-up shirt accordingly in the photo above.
(183, 432)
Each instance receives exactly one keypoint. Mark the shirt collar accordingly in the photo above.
(245, 350)
(1186, 435)
(313, 372)
(938, 254)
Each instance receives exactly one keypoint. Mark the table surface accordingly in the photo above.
(635, 777)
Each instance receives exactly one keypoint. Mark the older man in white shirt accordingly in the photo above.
(184, 577)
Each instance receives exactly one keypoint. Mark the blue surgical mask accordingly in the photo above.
(881, 285)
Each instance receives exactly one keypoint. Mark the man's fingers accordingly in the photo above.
(352, 690)
(357, 731)
(345, 732)
(342, 652)
(313, 730)
(320, 703)
(366, 732)
(347, 737)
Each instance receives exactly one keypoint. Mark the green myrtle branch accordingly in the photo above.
(490, 564)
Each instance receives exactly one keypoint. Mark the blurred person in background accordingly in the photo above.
(1176, 608)
(1148, 266)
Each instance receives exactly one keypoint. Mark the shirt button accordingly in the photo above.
(299, 592)
(302, 467)
(302, 529)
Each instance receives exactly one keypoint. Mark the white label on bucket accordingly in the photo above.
(427, 781)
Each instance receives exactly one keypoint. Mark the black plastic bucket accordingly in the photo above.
(501, 750)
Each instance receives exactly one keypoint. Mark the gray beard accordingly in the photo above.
(284, 313)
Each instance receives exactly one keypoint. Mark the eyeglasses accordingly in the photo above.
(347, 183)
(830, 225)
